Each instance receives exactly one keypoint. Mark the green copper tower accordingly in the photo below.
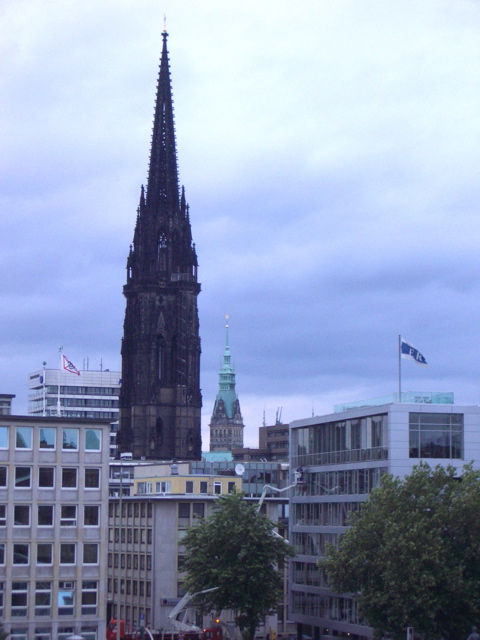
(226, 426)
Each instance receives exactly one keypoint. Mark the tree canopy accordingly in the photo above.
(412, 554)
(235, 550)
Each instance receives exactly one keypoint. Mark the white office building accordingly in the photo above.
(343, 456)
(91, 394)
(53, 523)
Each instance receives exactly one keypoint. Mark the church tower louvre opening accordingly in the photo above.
(160, 399)
(226, 425)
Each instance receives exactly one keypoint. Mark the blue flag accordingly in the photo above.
(409, 352)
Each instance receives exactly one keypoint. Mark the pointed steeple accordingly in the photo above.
(160, 398)
(226, 426)
(162, 186)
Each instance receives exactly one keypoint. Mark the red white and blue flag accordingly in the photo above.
(69, 366)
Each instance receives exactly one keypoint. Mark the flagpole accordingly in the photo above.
(59, 411)
(399, 368)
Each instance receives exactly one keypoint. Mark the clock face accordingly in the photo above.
(239, 469)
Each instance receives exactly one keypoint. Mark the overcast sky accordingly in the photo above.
(330, 153)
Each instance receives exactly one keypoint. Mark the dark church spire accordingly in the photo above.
(162, 186)
(160, 398)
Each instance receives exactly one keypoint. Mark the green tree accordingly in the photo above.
(235, 550)
(412, 554)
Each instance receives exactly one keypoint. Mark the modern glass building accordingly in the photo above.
(343, 457)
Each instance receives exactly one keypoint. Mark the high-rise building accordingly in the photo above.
(226, 425)
(91, 394)
(160, 398)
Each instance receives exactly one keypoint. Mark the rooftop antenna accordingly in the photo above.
(264, 423)
(313, 410)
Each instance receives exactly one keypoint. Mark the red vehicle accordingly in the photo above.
(212, 633)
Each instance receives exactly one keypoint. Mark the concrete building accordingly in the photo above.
(53, 518)
(56, 392)
(145, 555)
(274, 440)
(6, 403)
(343, 456)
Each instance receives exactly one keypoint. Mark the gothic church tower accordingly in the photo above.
(160, 398)
(226, 426)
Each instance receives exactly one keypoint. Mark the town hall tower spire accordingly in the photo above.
(160, 399)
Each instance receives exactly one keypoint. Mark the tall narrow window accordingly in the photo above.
(160, 357)
(162, 252)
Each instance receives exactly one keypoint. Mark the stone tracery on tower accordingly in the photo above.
(160, 398)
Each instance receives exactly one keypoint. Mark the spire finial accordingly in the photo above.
(164, 23)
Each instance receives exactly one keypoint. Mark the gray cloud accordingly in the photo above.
(330, 161)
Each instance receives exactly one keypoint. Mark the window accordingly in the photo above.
(90, 553)
(189, 486)
(2, 553)
(47, 438)
(203, 486)
(65, 599)
(198, 510)
(184, 510)
(23, 437)
(68, 515)
(70, 440)
(3, 476)
(436, 435)
(2, 588)
(23, 477)
(217, 487)
(3, 515)
(69, 478)
(21, 515)
(45, 515)
(89, 597)
(3, 437)
(231, 487)
(92, 478)
(46, 476)
(21, 554)
(91, 514)
(19, 599)
(93, 439)
(44, 553)
(67, 553)
(43, 599)
(144, 487)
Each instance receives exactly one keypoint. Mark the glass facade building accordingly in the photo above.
(342, 457)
